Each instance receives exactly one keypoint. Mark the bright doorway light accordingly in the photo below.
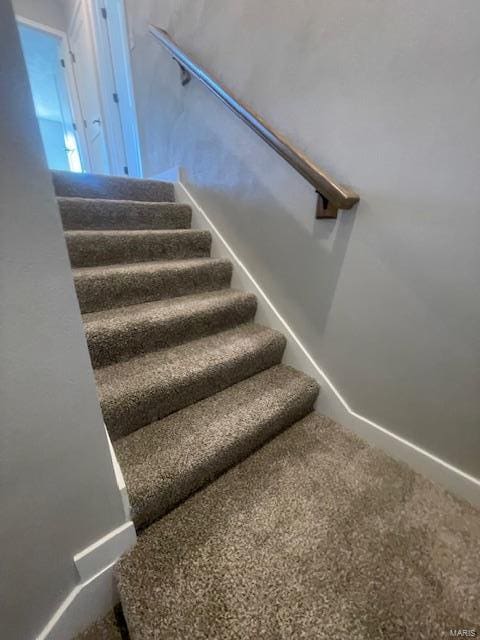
(42, 53)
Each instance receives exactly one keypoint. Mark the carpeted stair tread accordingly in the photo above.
(88, 185)
(87, 213)
(116, 334)
(316, 535)
(144, 389)
(166, 461)
(120, 285)
(94, 248)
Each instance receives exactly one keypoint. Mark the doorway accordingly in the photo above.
(82, 56)
(99, 42)
(45, 53)
(113, 52)
(82, 85)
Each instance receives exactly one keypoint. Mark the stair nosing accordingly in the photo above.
(114, 201)
(131, 380)
(118, 334)
(136, 232)
(130, 266)
(87, 317)
(295, 387)
(257, 326)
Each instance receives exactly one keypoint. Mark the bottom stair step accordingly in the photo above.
(316, 535)
(166, 461)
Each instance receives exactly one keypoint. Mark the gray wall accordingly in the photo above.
(57, 488)
(385, 96)
(49, 12)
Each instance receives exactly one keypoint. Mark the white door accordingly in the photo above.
(44, 53)
(75, 143)
(84, 67)
(115, 35)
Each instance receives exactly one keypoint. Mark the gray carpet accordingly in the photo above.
(168, 460)
(95, 248)
(118, 334)
(87, 213)
(112, 627)
(309, 533)
(317, 536)
(87, 185)
(124, 284)
(140, 390)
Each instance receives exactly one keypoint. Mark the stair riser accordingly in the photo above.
(78, 214)
(105, 291)
(112, 187)
(183, 486)
(98, 249)
(109, 344)
(127, 414)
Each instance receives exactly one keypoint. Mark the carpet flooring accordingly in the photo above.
(316, 535)
(257, 518)
(112, 627)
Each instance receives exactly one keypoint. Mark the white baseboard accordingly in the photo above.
(122, 487)
(96, 593)
(104, 552)
(88, 602)
(331, 402)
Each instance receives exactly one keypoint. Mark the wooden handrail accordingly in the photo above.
(331, 195)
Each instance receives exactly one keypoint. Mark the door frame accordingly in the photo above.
(123, 146)
(80, 18)
(121, 68)
(73, 99)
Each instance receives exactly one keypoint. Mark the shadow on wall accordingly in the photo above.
(284, 219)
(390, 308)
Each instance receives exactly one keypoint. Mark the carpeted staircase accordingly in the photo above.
(314, 534)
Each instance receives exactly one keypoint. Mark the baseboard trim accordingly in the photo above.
(122, 487)
(86, 603)
(105, 551)
(331, 402)
(96, 594)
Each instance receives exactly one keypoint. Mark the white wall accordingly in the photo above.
(58, 492)
(70, 8)
(385, 96)
(49, 12)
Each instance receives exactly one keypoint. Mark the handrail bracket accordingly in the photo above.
(185, 75)
(325, 208)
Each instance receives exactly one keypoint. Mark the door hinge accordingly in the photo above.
(72, 56)
(62, 62)
(115, 98)
(125, 170)
(103, 11)
(74, 126)
(85, 124)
